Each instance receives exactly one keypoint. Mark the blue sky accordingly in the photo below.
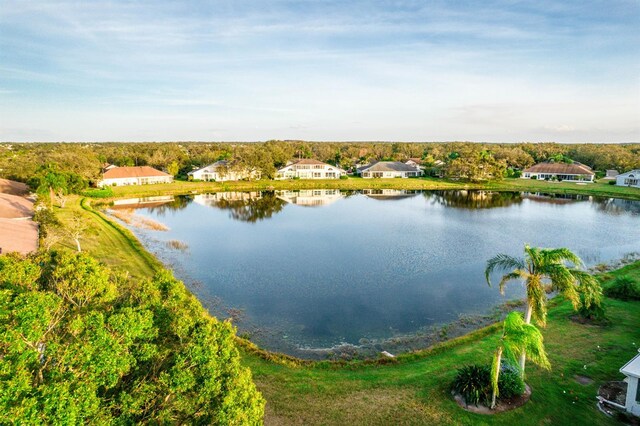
(504, 71)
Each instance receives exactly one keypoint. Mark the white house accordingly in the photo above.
(222, 171)
(631, 178)
(575, 171)
(140, 175)
(309, 169)
(632, 371)
(388, 169)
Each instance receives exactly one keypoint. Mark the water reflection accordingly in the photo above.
(244, 206)
(389, 194)
(464, 199)
(311, 197)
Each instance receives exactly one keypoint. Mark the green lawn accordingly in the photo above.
(414, 389)
(353, 183)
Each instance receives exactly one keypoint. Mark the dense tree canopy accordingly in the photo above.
(80, 345)
(457, 159)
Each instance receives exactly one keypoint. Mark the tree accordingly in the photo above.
(546, 269)
(76, 228)
(81, 345)
(517, 338)
(173, 168)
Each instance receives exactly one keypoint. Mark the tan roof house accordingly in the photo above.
(140, 175)
(308, 168)
(559, 171)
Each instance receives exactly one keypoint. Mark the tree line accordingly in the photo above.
(466, 160)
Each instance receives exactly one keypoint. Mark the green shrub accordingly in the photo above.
(612, 182)
(623, 288)
(344, 177)
(534, 177)
(510, 382)
(473, 382)
(105, 192)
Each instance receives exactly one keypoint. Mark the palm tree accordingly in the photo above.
(517, 338)
(541, 269)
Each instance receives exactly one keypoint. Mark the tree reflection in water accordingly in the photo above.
(252, 209)
(465, 199)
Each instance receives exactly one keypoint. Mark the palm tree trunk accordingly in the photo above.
(497, 375)
(527, 320)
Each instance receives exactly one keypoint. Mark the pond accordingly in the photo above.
(310, 272)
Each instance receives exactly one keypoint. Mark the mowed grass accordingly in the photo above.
(414, 390)
(354, 183)
(108, 241)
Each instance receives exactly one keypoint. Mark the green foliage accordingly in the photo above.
(510, 383)
(105, 192)
(81, 345)
(559, 266)
(473, 382)
(623, 288)
(595, 314)
(344, 177)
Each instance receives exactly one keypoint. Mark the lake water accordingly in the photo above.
(320, 268)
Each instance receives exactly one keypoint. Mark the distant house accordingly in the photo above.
(222, 171)
(388, 169)
(632, 371)
(417, 163)
(309, 169)
(576, 172)
(610, 175)
(631, 178)
(141, 175)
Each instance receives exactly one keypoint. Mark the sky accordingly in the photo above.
(494, 70)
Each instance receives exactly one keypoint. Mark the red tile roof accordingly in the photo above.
(133, 172)
(308, 161)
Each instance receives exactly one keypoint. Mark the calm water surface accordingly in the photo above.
(320, 268)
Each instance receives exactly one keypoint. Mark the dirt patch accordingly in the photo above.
(583, 380)
(15, 207)
(13, 188)
(501, 406)
(17, 231)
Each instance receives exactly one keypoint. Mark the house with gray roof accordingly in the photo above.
(630, 178)
(388, 169)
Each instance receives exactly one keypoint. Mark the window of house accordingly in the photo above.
(317, 174)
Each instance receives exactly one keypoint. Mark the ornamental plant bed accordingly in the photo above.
(502, 405)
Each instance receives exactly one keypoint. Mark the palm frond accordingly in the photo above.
(518, 273)
(561, 255)
(502, 262)
(589, 287)
(537, 299)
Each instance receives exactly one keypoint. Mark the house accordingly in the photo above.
(309, 169)
(632, 371)
(610, 175)
(559, 171)
(388, 169)
(222, 171)
(631, 178)
(140, 175)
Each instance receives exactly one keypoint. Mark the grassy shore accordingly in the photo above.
(602, 189)
(413, 389)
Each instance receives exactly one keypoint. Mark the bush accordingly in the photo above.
(623, 288)
(510, 382)
(105, 192)
(612, 182)
(473, 382)
(534, 177)
(344, 177)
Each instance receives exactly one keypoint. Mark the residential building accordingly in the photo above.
(611, 175)
(140, 175)
(632, 371)
(388, 169)
(309, 169)
(222, 171)
(630, 178)
(559, 171)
